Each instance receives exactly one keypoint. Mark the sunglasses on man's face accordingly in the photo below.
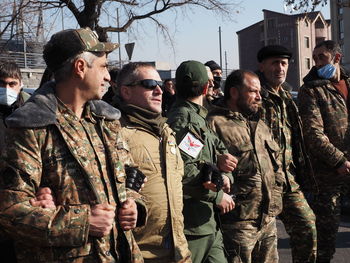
(150, 84)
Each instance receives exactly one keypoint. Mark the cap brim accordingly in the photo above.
(104, 47)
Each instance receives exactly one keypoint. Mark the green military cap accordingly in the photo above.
(191, 74)
(69, 43)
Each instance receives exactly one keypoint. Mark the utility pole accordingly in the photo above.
(119, 49)
(220, 46)
(225, 64)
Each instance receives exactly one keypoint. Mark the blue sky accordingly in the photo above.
(197, 37)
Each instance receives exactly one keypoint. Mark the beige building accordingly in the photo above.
(299, 33)
(340, 16)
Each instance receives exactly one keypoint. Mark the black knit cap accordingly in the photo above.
(273, 51)
(212, 65)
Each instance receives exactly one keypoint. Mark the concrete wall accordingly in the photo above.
(32, 77)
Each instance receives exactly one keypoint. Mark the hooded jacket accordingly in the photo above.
(326, 126)
(45, 148)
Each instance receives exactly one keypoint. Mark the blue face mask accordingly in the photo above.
(327, 71)
(7, 96)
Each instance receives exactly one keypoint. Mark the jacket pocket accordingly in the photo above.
(246, 166)
(273, 150)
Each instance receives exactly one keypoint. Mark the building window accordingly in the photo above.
(341, 29)
(307, 42)
(307, 63)
(271, 23)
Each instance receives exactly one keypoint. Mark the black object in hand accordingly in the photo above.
(134, 178)
(211, 173)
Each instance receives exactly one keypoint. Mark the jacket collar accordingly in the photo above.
(40, 110)
(313, 79)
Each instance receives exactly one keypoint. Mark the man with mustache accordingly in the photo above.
(281, 114)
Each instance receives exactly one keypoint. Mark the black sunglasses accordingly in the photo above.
(147, 83)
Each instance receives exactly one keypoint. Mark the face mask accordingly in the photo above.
(327, 71)
(217, 82)
(7, 96)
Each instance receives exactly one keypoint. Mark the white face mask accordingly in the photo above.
(7, 96)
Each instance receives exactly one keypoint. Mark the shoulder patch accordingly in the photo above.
(191, 145)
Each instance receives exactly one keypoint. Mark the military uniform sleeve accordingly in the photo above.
(20, 179)
(220, 145)
(313, 127)
(192, 180)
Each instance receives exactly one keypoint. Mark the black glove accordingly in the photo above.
(134, 178)
(211, 173)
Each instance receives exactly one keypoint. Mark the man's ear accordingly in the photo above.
(79, 68)
(233, 94)
(205, 89)
(125, 93)
(337, 58)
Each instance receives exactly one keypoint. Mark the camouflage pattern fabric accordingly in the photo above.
(250, 229)
(281, 115)
(246, 241)
(325, 117)
(76, 159)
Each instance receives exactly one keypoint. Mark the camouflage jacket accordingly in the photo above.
(156, 154)
(76, 158)
(188, 119)
(258, 178)
(281, 115)
(326, 126)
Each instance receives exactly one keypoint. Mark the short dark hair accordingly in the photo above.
(189, 91)
(331, 46)
(114, 72)
(129, 72)
(9, 69)
(236, 80)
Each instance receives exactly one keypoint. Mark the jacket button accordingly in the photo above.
(77, 210)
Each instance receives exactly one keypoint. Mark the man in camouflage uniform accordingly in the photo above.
(154, 150)
(63, 139)
(250, 233)
(202, 152)
(324, 109)
(281, 114)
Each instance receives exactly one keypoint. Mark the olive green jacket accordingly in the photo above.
(199, 203)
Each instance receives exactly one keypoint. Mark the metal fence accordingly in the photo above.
(24, 60)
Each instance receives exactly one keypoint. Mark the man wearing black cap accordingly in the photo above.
(205, 188)
(281, 115)
(217, 74)
(65, 139)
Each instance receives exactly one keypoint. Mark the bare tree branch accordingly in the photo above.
(88, 13)
(304, 5)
